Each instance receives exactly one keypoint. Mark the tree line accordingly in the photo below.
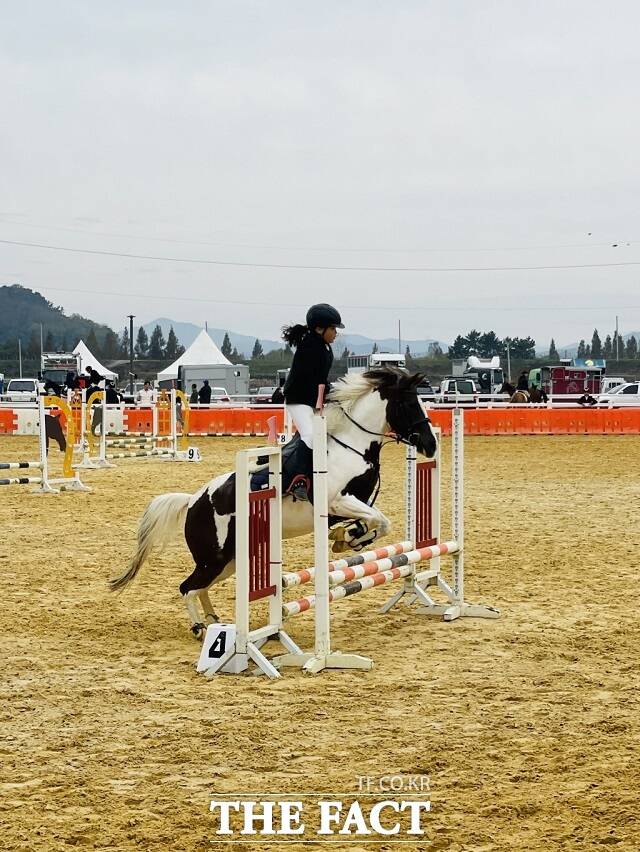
(614, 346)
(487, 344)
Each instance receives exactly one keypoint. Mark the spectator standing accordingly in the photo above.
(204, 394)
(147, 396)
(71, 381)
(113, 397)
(193, 399)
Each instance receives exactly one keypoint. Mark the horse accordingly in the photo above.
(363, 409)
(533, 394)
(53, 431)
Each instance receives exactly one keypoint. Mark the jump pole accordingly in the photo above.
(457, 606)
(70, 481)
(258, 574)
(322, 657)
(138, 445)
(416, 588)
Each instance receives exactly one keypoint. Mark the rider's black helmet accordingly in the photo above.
(322, 316)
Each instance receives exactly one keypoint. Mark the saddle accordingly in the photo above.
(297, 460)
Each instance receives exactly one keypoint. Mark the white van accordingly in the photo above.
(22, 390)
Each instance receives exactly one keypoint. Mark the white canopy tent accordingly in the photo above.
(89, 360)
(203, 351)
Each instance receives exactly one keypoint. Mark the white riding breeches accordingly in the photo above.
(302, 416)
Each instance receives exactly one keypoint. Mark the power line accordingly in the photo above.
(359, 307)
(310, 267)
(325, 249)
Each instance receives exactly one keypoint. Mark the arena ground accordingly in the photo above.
(528, 726)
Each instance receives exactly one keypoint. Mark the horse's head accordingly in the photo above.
(404, 413)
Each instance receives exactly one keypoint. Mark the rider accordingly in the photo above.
(310, 369)
(523, 381)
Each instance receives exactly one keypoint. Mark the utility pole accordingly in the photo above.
(508, 363)
(131, 317)
(20, 355)
(399, 340)
(617, 341)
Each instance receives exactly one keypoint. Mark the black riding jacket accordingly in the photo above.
(311, 364)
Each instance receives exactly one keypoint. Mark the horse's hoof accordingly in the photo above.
(340, 547)
(199, 630)
(337, 533)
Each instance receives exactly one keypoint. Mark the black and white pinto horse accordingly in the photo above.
(363, 410)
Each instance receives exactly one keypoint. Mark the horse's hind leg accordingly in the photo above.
(193, 589)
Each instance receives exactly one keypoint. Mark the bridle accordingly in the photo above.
(375, 465)
(394, 436)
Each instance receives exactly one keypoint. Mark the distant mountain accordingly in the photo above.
(360, 345)
(22, 311)
(186, 333)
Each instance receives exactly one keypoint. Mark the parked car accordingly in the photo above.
(220, 395)
(626, 394)
(611, 382)
(457, 389)
(426, 391)
(22, 390)
(264, 394)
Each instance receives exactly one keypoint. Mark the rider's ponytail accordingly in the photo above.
(293, 335)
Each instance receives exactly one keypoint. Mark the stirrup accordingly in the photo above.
(299, 488)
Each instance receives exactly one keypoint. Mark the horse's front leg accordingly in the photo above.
(367, 523)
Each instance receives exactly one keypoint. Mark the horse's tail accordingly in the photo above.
(161, 521)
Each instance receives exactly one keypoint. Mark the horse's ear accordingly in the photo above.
(410, 381)
(386, 380)
(382, 377)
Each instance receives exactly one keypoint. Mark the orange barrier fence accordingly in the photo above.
(234, 421)
(138, 420)
(8, 421)
(477, 421)
(543, 421)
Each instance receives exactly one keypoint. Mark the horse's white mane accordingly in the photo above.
(347, 391)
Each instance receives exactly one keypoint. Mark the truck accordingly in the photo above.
(54, 366)
(565, 379)
(458, 389)
(233, 377)
(362, 363)
(486, 372)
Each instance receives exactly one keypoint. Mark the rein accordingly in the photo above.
(393, 435)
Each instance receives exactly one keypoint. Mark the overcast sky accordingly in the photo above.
(399, 135)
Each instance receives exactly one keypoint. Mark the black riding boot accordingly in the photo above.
(297, 473)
